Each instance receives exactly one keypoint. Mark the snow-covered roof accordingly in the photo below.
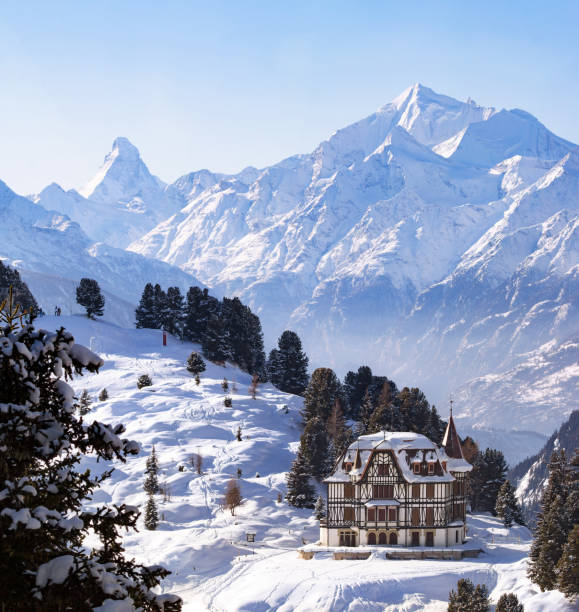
(407, 447)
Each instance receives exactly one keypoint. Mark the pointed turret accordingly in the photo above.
(451, 441)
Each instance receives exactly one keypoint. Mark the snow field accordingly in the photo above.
(213, 567)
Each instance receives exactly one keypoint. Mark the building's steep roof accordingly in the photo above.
(405, 447)
(451, 441)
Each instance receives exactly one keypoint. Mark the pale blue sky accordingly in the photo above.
(223, 85)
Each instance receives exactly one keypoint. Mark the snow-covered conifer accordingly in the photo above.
(300, 492)
(151, 513)
(468, 598)
(84, 403)
(103, 395)
(509, 602)
(195, 363)
(507, 507)
(567, 570)
(88, 295)
(45, 560)
(288, 364)
(320, 508)
(145, 316)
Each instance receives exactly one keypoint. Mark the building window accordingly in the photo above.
(382, 515)
(371, 514)
(429, 491)
(383, 491)
(348, 467)
(456, 536)
(431, 468)
(347, 538)
(417, 468)
(372, 538)
(415, 516)
(348, 513)
(429, 538)
(393, 539)
(391, 514)
(416, 491)
(415, 539)
(349, 491)
(382, 469)
(430, 516)
(382, 538)
(444, 465)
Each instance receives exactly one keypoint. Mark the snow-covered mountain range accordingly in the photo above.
(435, 240)
(53, 253)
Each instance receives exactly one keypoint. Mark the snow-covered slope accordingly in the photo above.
(435, 240)
(52, 254)
(214, 568)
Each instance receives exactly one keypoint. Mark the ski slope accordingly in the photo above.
(213, 566)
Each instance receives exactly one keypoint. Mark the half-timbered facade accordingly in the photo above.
(397, 488)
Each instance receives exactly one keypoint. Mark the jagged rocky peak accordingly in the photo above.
(122, 177)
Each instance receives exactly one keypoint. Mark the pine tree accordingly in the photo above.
(553, 526)
(321, 393)
(315, 448)
(195, 363)
(495, 469)
(151, 485)
(175, 311)
(365, 414)
(215, 343)
(567, 570)
(42, 442)
(151, 514)
(10, 282)
(238, 434)
(469, 598)
(103, 395)
(145, 316)
(356, 384)
(232, 497)
(291, 364)
(300, 492)
(509, 602)
(160, 310)
(273, 368)
(84, 403)
(340, 434)
(320, 508)
(88, 295)
(507, 507)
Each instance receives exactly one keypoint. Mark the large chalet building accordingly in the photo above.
(398, 488)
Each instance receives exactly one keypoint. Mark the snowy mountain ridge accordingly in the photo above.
(434, 240)
(52, 253)
(397, 222)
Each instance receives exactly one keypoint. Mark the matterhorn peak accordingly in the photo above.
(122, 176)
(124, 147)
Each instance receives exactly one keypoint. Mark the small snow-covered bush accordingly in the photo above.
(144, 380)
(228, 402)
(103, 395)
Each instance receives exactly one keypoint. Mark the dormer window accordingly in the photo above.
(431, 468)
(417, 468)
(444, 465)
(348, 467)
